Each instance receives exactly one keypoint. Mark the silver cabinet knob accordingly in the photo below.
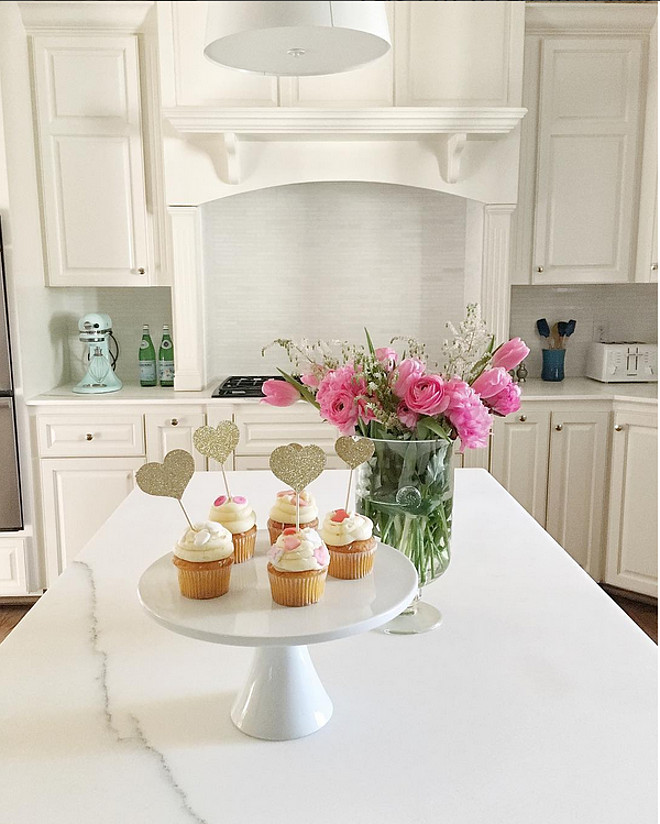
(540, 270)
(174, 422)
(618, 428)
(141, 271)
(522, 418)
(654, 267)
(89, 436)
(559, 427)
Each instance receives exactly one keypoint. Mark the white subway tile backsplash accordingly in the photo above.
(626, 311)
(324, 260)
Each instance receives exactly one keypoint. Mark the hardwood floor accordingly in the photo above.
(645, 615)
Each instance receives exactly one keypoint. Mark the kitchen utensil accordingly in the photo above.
(554, 336)
(543, 328)
(570, 328)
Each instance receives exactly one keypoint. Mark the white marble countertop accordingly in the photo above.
(536, 389)
(535, 701)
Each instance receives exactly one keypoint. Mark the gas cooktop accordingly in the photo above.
(243, 386)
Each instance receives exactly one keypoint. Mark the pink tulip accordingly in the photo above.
(279, 393)
(506, 401)
(408, 370)
(510, 354)
(491, 382)
(426, 395)
(310, 379)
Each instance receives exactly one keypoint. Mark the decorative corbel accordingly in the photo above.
(231, 145)
(449, 151)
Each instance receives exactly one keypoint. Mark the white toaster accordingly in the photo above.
(629, 362)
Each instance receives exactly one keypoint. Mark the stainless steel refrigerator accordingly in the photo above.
(11, 510)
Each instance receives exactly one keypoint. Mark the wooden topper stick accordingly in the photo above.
(224, 478)
(190, 524)
(298, 511)
(348, 493)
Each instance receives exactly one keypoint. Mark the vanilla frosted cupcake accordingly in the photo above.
(350, 542)
(297, 568)
(203, 557)
(236, 515)
(283, 513)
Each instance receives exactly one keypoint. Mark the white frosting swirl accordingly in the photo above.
(352, 528)
(235, 514)
(209, 541)
(284, 509)
(299, 551)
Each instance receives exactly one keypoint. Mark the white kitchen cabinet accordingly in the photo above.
(577, 487)
(78, 496)
(91, 145)
(263, 428)
(171, 428)
(632, 534)
(520, 453)
(13, 565)
(588, 165)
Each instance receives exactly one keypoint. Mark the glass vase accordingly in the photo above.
(406, 489)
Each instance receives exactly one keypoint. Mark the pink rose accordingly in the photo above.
(408, 370)
(426, 394)
(407, 417)
(338, 398)
(279, 393)
(468, 415)
(491, 382)
(506, 401)
(310, 379)
(510, 354)
(388, 357)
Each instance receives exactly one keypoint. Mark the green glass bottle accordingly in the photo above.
(147, 359)
(166, 359)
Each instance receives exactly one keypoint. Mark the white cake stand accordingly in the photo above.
(283, 697)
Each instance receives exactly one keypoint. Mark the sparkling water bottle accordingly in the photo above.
(147, 359)
(166, 359)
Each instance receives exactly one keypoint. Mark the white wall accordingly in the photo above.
(324, 260)
(627, 311)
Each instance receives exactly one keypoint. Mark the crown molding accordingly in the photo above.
(595, 18)
(40, 16)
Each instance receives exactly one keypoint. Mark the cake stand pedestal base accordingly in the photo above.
(283, 697)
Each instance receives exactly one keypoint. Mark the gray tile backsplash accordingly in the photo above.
(324, 260)
(626, 311)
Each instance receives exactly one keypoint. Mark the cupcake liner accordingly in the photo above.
(296, 589)
(353, 561)
(201, 581)
(276, 528)
(244, 545)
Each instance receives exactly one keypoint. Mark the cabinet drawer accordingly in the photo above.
(13, 566)
(74, 436)
(263, 429)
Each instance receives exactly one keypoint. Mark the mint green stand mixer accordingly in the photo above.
(95, 330)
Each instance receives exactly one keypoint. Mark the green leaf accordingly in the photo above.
(370, 344)
(435, 427)
(304, 391)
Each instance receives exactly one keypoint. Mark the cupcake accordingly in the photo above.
(350, 542)
(297, 567)
(203, 558)
(283, 513)
(236, 515)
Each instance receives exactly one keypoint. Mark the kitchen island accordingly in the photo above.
(535, 701)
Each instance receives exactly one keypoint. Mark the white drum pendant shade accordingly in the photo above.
(296, 38)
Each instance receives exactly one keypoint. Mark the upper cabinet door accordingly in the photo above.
(87, 104)
(588, 160)
(458, 54)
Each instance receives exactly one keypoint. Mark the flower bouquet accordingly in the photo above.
(415, 412)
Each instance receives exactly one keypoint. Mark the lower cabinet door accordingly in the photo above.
(79, 495)
(520, 457)
(170, 429)
(13, 567)
(632, 535)
(577, 486)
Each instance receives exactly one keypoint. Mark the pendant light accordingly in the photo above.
(296, 38)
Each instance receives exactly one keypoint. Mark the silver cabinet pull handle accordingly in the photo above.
(89, 436)
(559, 427)
(174, 422)
(522, 418)
(540, 270)
(618, 428)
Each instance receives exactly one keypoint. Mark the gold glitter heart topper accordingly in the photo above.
(354, 450)
(297, 465)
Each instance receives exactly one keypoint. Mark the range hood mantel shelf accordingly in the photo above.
(451, 127)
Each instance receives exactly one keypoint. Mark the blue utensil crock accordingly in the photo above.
(553, 364)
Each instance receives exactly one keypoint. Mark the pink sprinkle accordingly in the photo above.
(291, 542)
(220, 501)
(239, 499)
